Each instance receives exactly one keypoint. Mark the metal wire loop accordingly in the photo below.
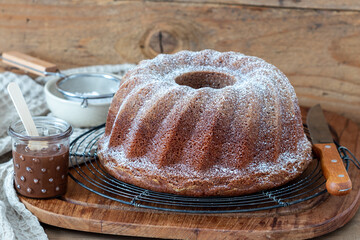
(344, 153)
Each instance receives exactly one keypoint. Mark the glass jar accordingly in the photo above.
(41, 162)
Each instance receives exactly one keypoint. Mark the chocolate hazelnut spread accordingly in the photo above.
(41, 173)
(41, 161)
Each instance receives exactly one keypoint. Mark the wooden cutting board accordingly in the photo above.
(82, 210)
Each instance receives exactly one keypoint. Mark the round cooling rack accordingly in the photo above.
(90, 174)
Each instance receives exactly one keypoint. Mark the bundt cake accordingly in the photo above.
(203, 124)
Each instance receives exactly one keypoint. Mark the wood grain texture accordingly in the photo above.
(351, 5)
(318, 49)
(85, 211)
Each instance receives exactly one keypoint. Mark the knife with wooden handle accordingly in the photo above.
(337, 179)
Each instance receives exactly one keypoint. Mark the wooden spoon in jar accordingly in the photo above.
(24, 114)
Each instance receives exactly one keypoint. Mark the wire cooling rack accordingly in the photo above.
(90, 174)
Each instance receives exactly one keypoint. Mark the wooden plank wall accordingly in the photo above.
(315, 43)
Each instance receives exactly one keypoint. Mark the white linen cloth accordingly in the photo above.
(16, 222)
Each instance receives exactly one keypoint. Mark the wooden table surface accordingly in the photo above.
(350, 231)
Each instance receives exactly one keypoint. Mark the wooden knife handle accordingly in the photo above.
(337, 179)
(28, 63)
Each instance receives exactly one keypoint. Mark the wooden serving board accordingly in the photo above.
(82, 210)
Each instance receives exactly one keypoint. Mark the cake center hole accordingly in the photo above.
(205, 79)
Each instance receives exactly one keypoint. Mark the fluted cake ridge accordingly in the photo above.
(205, 123)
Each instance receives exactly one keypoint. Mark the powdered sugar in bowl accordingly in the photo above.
(82, 99)
(87, 88)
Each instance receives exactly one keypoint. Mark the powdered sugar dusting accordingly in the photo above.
(235, 118)
(287, 162)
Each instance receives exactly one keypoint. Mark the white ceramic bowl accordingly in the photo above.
(71, 111)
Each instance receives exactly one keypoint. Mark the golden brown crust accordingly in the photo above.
(228, 185)
(203, 124)
(222, 186)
